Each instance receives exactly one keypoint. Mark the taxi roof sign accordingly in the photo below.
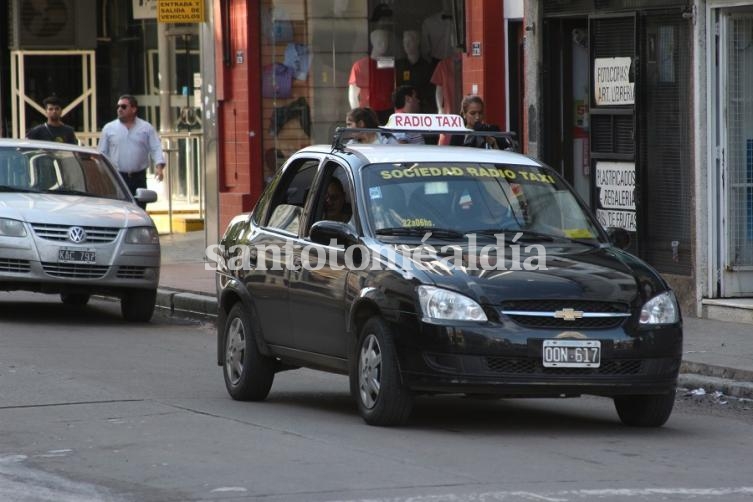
(436, 123)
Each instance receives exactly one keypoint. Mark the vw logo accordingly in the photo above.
(76, 234)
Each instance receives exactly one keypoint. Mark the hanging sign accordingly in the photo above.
(180, 11)
(144, 9)
(615, 186)
(612, 85)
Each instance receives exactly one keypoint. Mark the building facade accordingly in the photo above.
(288, 71)
(643, 106)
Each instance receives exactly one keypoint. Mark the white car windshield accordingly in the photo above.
(463, 198)
(58, 171)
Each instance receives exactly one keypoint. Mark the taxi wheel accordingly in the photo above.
(74, 299)
(138, 305)
(248, 374)
(382, 399)
(645, 411)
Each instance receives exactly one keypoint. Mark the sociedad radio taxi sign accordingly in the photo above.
(180, 11)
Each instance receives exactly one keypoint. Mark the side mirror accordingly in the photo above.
(325, 231)
(619, 237)
(145, 196)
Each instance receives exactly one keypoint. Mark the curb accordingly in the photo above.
(187, 303)
(710, 384)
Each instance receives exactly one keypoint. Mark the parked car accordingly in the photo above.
(69, 226)
(451, 270)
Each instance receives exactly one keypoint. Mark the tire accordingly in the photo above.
(375, 377)
(75, 299)
(138, 305)
(645, 411)
(248, 374)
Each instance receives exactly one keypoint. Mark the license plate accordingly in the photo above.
(77, 255)
(571, 353)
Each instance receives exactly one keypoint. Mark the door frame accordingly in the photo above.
(720, 283)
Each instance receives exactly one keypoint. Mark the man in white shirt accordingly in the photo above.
(129, 142)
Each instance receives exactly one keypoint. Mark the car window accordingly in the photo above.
(50, 170)
(472, 197)
(291, 194)
(335, 195)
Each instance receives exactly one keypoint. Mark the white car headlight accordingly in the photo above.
(142, 235)
(443, 305)
(661, 309)
(12, 228)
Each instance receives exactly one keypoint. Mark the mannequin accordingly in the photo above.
(368, 84)
(438, 39)
(445, 77)
(415, 71)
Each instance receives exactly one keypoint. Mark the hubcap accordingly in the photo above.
(370, 371)
(235, 350)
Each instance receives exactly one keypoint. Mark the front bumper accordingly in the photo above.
(506, 359)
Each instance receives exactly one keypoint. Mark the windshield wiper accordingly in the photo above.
(8, 188)
(442, 233)
(64, 191)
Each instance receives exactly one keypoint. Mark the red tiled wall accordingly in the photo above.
(485, 23)
(240, 178)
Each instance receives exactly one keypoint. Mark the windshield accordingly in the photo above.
(58, 171)
(463, 198)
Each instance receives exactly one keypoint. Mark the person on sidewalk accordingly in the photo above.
(129, 142)
(406, 100)
(54, 129)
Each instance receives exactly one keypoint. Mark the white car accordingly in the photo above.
(69, 226)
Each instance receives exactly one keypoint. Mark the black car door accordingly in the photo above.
(317, 289)
(269, 251)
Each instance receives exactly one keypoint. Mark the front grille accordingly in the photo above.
(131, 272)
(546, 319)
(512, 366)
(13, 265)
(75, 270)
(60, 232)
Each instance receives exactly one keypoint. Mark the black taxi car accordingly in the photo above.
(433, 269)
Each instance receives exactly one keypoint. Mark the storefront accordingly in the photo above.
(290, 70)
(616, 117)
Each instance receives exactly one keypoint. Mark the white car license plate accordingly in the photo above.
(66, 255)
(571, 353)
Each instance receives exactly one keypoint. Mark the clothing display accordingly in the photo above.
(277, 81)
(281, 115)
(298, 58)
(444, 76)
(375, 84)
(418, 75)
(438, 39)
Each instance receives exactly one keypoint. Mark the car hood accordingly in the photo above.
(572, 271)
(72, 210)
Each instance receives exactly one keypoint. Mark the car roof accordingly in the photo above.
(378, 153)
(33, 143)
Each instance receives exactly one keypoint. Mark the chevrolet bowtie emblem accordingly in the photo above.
(568, 314)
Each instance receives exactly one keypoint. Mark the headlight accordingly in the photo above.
(12, 228)
(443, 305)
(142, 235)
(661, 309)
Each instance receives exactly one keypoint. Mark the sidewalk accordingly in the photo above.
(717, 355)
